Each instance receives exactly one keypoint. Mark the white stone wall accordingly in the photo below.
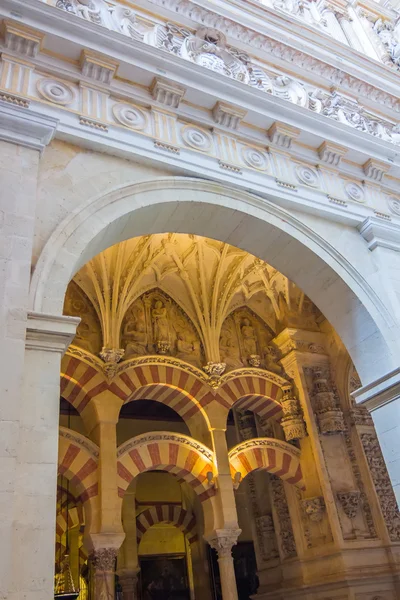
(18, 183)
(387, 424)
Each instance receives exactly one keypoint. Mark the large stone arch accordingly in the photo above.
(254, 224)
(185, 458)
(276, 457)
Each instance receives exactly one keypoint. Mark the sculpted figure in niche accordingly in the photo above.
(249, 338)
(135, 332)
(187, 349)
(82, 337)
(230, 354)
(160, 322)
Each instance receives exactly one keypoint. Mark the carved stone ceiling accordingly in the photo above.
(201, 280)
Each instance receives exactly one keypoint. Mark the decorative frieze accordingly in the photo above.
(350, 502)
(285, 535)
(382, 483)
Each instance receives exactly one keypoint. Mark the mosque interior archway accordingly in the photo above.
(205, 405)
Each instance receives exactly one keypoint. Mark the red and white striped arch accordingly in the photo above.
(171, 385)
(80, 381)
(167, 513)
(178, 454)
(77, 461)
(276, 457)
(259, 394)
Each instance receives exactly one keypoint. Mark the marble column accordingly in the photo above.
(223, 541)
(103, 573)
(129, 584)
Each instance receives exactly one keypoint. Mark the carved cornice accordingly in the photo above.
(25, 127)
(286, 53)
(50, 333)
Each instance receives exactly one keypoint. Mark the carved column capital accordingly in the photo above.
(223, 540)
(103, 559)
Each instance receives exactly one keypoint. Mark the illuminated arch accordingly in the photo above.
(177, 454)
(178, 386)
(77, 462)
(80, 381)
(276, 457)
(253, 391)
(167, 513)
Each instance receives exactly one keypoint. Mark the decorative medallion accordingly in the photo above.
(254, 158)
(197, 138)
(130, 116)
(394, 205)
(355, 192)
(307, 176)
(55, 91)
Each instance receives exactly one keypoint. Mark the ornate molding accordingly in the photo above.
(50, 333)
(166, 436)
(227, 115)
(314, 508)
(350, 502)
(166, 92)
(223, 540)
(103, 559)
(23, 126)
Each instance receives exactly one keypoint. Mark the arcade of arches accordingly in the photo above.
(208, 440)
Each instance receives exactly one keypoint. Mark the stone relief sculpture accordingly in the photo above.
(229, 345)
(208, 48)
(249, 338)
(88, 334)
(389, 35)
(135, 333)
(154, 324)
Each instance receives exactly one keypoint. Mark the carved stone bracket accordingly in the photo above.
(314, 508)
(350, 502)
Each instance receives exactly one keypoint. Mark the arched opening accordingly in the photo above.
(202, 364)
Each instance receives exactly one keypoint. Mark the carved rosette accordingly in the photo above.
(314, 508)
(223, 541)
(103, 560)
(292, 422)
(350, 502)
(330, 416)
